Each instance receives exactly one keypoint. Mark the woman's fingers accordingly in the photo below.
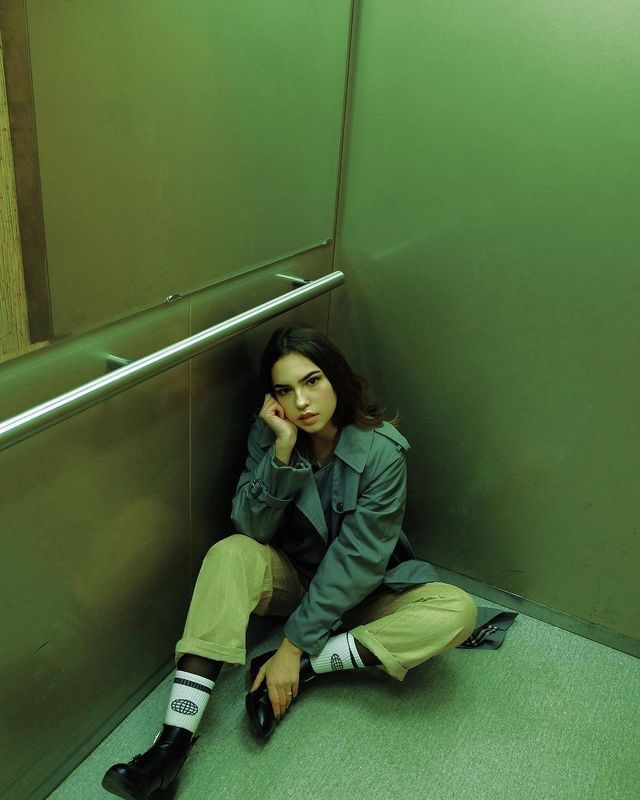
(258, 679)
(271, 405)
(283, 701)
(280, 699)
(282, 685)
(274, 696)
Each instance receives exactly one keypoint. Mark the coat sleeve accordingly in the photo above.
(355, 562)
(265, 489)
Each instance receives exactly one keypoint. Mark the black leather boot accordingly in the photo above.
(153, 770)
(258, 705)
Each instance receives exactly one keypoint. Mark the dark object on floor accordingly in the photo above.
(490, 629)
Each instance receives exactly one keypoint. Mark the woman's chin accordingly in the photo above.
(305, 428)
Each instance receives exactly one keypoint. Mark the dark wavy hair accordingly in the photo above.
(354, 402)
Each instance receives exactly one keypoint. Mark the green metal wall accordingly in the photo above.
(180, 143)
(183, 147)
(489, 229)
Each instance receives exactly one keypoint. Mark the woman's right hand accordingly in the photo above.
(273, 414)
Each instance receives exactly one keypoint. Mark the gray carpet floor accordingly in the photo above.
(547, 716)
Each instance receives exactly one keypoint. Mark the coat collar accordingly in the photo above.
(353, 445)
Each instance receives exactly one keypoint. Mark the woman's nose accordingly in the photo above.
(301, 400)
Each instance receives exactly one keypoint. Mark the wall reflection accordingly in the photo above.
(157, 152)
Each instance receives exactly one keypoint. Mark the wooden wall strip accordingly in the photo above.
(26, 166)
(14, 322)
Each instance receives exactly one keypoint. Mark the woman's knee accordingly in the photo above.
(231, 549)
(235, 542)
(467, 615)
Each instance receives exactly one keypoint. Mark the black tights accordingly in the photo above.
(197, 665)
(207, 668)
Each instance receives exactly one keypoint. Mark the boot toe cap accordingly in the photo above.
(122, 781)
(260, 711)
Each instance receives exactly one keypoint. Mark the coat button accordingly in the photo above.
(340, 506)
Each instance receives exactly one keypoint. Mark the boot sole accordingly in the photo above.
(117, 784)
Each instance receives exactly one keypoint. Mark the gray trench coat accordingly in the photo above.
(365, 546)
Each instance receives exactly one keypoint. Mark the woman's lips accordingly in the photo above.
(308, 419)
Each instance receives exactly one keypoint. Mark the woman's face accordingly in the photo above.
(301, 387)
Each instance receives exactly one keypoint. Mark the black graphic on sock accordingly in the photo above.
(183, 706)
(336, 662)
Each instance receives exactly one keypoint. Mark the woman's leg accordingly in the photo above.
(197, 665)
(407, 628)
(239, 576)
(236, 578)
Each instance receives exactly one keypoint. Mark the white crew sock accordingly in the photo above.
(339, 652)
(189, 697)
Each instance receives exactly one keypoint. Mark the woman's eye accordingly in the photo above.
(315, 379)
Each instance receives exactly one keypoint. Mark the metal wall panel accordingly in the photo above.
(178, 151)
(105, 518)
(179, 143)
(489, 229)
(94, 522)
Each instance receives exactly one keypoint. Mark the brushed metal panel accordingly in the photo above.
(179, 147)
(41, 375)
(94, 521)
(225, 388)
(488, 226)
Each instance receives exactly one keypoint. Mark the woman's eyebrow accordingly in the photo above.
(286, 385)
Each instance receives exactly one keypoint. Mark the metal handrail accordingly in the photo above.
(21, 427)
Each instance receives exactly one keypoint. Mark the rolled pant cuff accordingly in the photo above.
(215, 652)
(389, 663)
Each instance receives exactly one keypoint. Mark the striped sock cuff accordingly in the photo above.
(189, 697)
(187, 679)
(339, 653)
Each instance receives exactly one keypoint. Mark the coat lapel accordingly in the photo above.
(351, 453)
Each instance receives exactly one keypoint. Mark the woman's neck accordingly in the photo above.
(322, 444)
(323, 440)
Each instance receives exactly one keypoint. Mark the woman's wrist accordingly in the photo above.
(291, 646)
(283, 449)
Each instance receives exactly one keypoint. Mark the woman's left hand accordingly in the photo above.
(282, 673)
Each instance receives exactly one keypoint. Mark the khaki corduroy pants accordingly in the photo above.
(240, 576)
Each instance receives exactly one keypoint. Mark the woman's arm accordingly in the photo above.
(355, 562)
(265, 488)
